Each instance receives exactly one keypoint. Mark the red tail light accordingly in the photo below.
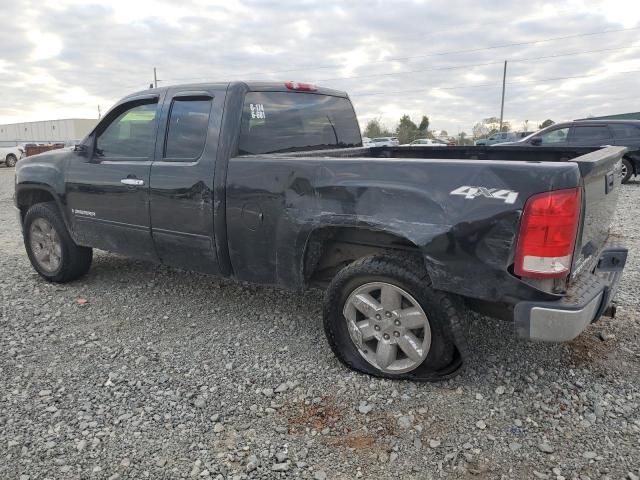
(301, 87)
(547, 234)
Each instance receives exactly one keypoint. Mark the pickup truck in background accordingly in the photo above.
(268, 183)
(10, 155)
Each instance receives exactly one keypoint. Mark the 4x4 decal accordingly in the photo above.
(508, 196)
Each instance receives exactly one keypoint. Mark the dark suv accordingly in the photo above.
(592, 133)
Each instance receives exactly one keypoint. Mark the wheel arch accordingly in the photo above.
(30, 194)
(329, 248)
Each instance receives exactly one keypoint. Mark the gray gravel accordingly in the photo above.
(168, 374)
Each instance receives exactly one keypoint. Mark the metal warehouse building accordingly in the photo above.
(47, 131)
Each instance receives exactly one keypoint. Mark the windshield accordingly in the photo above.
(291, 121)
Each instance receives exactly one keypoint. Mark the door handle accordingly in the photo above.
(135, 182)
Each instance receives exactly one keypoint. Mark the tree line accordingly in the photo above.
(407, 130)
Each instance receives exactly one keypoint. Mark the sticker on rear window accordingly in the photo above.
(257, 110)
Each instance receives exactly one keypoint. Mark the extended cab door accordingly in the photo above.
(181, 192)
(107, 187)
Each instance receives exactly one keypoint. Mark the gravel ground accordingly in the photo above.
(139, 371)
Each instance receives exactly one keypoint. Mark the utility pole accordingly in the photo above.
(155, 78)
(99, 113)
(504, 81)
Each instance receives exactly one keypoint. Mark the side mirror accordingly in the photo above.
(536, 141)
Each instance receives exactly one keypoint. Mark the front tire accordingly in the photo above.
(382, 317)
(627, 170)
(11, 160)
(51, 250)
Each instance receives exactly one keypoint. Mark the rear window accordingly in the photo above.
(289, 122)
(621, 130)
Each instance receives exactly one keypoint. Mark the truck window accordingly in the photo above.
(131, 134)
(288, 122)
(587, 133)
(622, 130)
(558, 135)
(187, 129)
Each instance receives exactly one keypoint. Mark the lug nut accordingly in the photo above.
(388, 314)
(397, 322)
(386, 336)
(396, 334)
(376, 327)
(378, 317)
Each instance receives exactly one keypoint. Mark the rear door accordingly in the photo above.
(181, 193)
(626, 134)
(590, 135)
(108, 188)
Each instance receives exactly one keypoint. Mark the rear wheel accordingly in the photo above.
(381, 317)
(51, 250)
(627, 170)
(11, 160)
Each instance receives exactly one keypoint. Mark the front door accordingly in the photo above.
(108, 187)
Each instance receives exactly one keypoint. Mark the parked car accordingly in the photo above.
(366, 142)
(593, 133)
(268, 183)
(496, 138)
(385, 142)
(10, 155)
(433, 142)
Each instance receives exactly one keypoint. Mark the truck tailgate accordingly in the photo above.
(600, 171)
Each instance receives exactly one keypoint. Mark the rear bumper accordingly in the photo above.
(563, 320)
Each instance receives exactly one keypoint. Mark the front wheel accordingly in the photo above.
(627, 170)
(51, 250)
(11, 160)
(382, 317)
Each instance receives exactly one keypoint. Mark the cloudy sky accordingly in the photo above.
(567, 59)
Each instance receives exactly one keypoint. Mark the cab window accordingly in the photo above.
(131, 134)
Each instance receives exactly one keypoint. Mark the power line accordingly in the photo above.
(437, 54)
(489, 85)
(471, 65)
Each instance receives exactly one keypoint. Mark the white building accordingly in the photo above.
(46, 131)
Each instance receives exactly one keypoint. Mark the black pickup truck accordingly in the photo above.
(268, 183)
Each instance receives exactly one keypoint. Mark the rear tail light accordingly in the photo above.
(301, 87)
(547, 234)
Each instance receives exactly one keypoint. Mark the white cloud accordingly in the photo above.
(89, 52)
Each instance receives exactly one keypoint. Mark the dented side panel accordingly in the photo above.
(462, 214)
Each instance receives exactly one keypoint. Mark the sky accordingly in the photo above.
(566, 59)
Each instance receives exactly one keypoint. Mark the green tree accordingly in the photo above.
(375, 128)
(424, 124)
(407, 131)
(547, 123)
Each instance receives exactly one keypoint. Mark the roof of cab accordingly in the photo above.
(251, 86)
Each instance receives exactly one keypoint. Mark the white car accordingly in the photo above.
(385, 142)
(11, 155)
(431, 142)
(366, 142)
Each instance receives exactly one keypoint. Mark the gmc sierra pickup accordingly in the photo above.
(268, 183)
